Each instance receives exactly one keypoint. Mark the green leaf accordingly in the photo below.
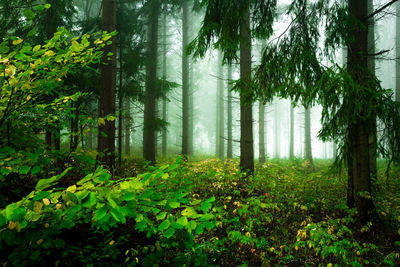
(210, 200)
(206, 217)
(174, 204)
(41, 195)
(190, 213)
(182, 221)
(45, 183)
(206, 206)
(47, 6)
(161, 216)
(164, 225)
(72, 197)
(29, 14)
(24, 170)
(100, 213)
(35, 170)
(129, 196)
(169, 233)
(3, 220)
(192, 225)
(200, 229)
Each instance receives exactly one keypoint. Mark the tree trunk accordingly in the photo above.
(307, 135)
(371, 67)
(185, 80)
(164, 102)
(277, 150)
(127, 126)
(229, 153)
(360, 129)
(246, 108)
(120, 101)
(106, 138)
(291, 139)
(220, 110)
(149, 131)
(398, 51)
(261, 132)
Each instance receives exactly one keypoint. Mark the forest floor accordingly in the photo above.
(203, 212)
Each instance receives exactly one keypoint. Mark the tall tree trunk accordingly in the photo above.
(307, 135)
(185, 80)
(191, 101)
(127, 126)
(229, 153)
(246, 108)
(164, 101)
(360, 129)
(373, 146)
(398, 51)
(261, 132)
(277, 148)
(220, 110)
(120, 101)
(149, 131)
(106, 138)
(291, 139)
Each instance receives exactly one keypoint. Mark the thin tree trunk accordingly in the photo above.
(229, 153)
(149, 133)
(128, 124)
(220, 110)
(359, 151)
(164, 102)
(307, 135)
(291, 139)
(106, 138)
(398, 51)
(261, 131)
(185, 80)
(246, 108)
(277, 151)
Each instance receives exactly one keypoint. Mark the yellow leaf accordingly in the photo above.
(72, 188)
(46, 201)
(165, 176)
(112, 242)
(329, 265)
(12, 225)
(40, 241)
(18, 41)
(101, 121)
(37, 206)
(49, 53)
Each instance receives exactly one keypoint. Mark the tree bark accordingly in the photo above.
(229, 153)
(149, 131)
(220, 149)
(277, 148)
(261, 132)
(127, 127)
(246, 108)
(360, 129)
(164, 134)
(291, 139)
(398, 51)
(307, 135)
(185, 80)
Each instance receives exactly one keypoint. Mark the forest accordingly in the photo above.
(200, 133)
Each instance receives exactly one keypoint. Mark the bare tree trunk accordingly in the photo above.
(360, 130)
(277, 150)
(149, 133)
(307, 135)
(246, 108)
(128, 124)
(220, 110)
(398, 51)
(291, 139)
(164, 102)
(261, 132)
(106, 138)
(229, 153)
(120, 101)
(185, 80)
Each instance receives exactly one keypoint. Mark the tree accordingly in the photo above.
(229, 153)
(307, 135)
(149, 129)
(397, 52)
(106, 138)
(164, 100)
(185, 79)
(227, 25)
(261, 131)
(220, 114)
(291, 138)
(277, 149)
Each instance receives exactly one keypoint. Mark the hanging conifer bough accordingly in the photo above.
(230, 26)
